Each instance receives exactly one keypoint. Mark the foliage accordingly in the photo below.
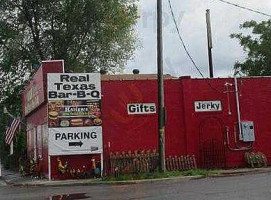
(19, 143)
(12, 102)
(167, 174)
(257, 47)
(88, 34)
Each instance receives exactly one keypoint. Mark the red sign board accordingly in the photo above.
(34, 93)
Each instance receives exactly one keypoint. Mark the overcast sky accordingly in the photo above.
(191, 20)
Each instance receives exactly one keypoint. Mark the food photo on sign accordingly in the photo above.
(74, 113)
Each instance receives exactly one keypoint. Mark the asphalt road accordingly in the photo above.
(246, 187)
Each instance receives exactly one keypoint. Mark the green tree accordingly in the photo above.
(258, 48)
(13, 104)
(88, 34)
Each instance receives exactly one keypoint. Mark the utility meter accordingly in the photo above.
(248, 131)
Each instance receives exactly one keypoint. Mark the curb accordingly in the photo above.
(130, 182)
(242, 172)
(86, 183)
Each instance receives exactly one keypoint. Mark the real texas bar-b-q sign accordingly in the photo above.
(74, 86)
(74, 114)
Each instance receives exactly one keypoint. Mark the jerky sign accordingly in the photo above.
(208, 106)
(74, 86)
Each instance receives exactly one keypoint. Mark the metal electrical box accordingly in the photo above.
(248, 131)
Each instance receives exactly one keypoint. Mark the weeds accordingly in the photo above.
(167, 174)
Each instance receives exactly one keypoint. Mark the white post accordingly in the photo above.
(49, 168)
(102, 164)
(238, 107)
(11, 148)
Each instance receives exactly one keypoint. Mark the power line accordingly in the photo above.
(245, 8)
(185, 48)
(182, 41)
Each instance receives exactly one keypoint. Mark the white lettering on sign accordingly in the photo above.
(208, 106)
(141, 108)
(74, 141)
(74, 86)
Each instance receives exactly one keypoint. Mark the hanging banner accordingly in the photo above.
(74, 141)
(74, 86)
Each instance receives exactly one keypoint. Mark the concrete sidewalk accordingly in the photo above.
(15, 179)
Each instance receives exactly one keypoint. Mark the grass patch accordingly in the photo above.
(200, 172)
(158, 175)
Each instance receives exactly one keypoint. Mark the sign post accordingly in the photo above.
(11, 148)
(102, 165)
(49, 168)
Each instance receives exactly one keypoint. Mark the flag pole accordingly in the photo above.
(12, 116)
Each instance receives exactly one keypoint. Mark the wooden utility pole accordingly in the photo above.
(0, 168)
(210, 43)
(161, 103)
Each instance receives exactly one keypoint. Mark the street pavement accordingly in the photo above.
(240, 187)
(2, 183)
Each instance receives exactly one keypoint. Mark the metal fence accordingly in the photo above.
(181, 163)
(146, 162)
(133, 162)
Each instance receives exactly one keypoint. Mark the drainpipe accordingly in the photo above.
(238, 106)
(237, 147)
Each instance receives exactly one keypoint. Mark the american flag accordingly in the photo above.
(11, 130)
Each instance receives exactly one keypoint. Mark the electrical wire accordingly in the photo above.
(182, 41)
(185, 48)
(245, 8)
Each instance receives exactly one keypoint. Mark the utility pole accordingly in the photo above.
(160, 78)
(0, 168)
(210, 43)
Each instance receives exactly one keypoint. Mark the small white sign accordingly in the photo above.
(74, 141)
(74, 86)
(208, 106)
(141, 108)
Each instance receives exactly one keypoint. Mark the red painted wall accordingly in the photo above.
(133, 132)
(76, 162)
(36, 118)
(186, 130)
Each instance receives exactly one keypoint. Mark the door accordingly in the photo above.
(211, 143)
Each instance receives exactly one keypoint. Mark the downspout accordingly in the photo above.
(238, 106)
(238, 148)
